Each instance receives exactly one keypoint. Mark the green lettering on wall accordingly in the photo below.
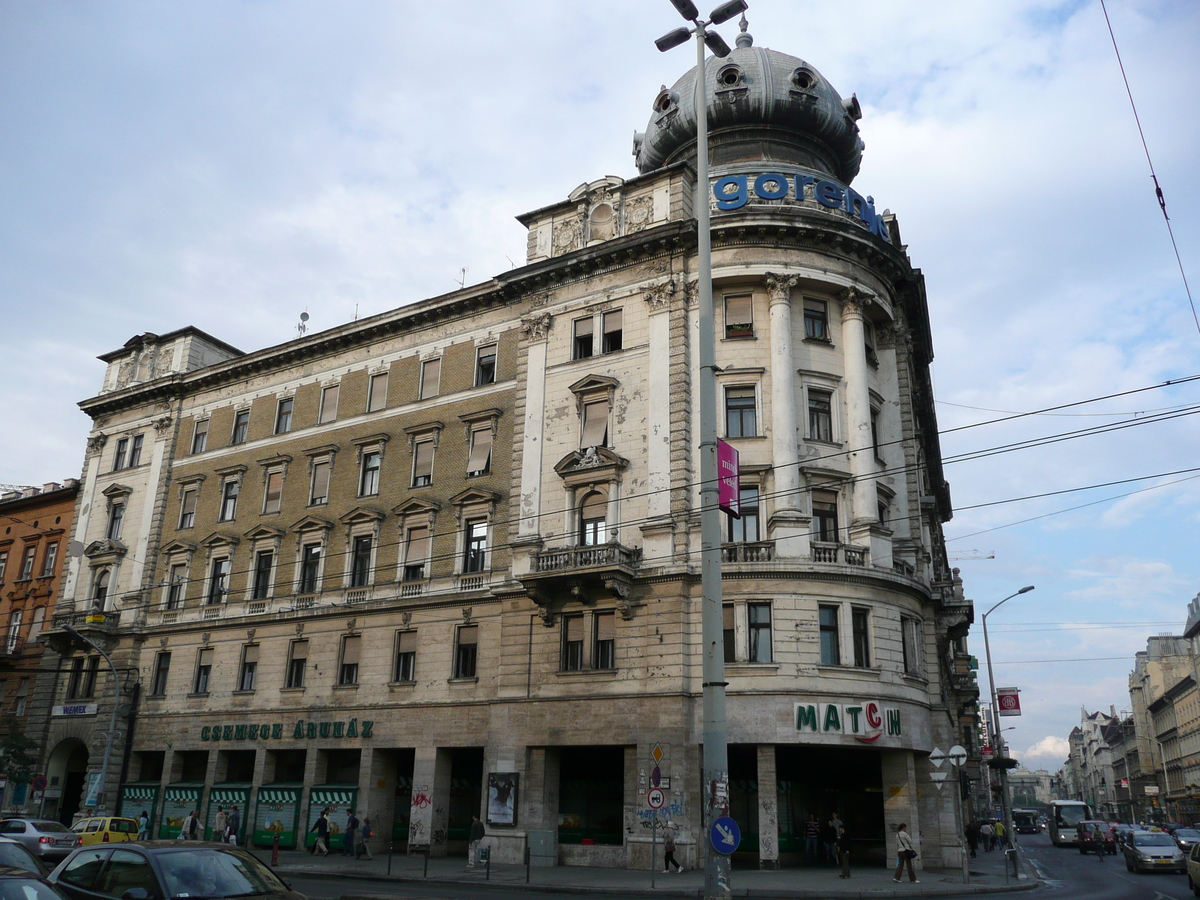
(833, 721)
(228, 733)
(204, 733)
(324, 729)
(299, 730)
(806, 717)
(277, 730)
(312, 729)
(338, 728)
(352, 731)
(239, 732)
(366, 728)
(854, 712)
(893, 721)
(254, 732)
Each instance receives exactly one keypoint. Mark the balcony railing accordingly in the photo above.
(748, 552)
(567, 559)
(838, 553)
(91, 618)
(473, 582)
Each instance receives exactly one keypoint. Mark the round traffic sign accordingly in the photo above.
(655, 798)
(39, 783)
(725, 835)
(957, 754)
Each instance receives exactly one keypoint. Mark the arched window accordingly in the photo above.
(36, 624)
(100, 591)
(592, 523)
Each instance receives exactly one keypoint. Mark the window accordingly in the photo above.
(739, 321)
(203, 670)
(100, 589)
(3, 564)
(360, 561)
(176, 585)
(14, 630)
(187, 508)
(377, 390)
(422, 463)
(729, 632)
(431, 378)
(592, 513)
(820, 416)
(264, 562)
(119, 455)
(825, 517)
(406, 657)
(828, 623)
(416, 553)
(273, 496)
(475, 552)
(368, 478)
(75, 678)
(116, 516)
(200, 436)
(127, 870)
(816, 321)
(249, 667)
(320, 483)
(283, 416)
(910, 629)
(90, 675)
(35, 626)
(594, 432)
(297, 663)
(329, 402)
(745, 529)
(485, 365)
(613, 331)
(310, 566)
(27, 563)
(480, 460)
(162, 669)
(229, 496)
(572, 648)
(241, 426)
(740, 420)
(583, 329)
(22, 697)
(869, 342)
(135, 451)
(218, 585)
(466, 651)
(49, 559)
(860, 632)
(759, 632)
(604, 626)
(348, 670)
(875, 432)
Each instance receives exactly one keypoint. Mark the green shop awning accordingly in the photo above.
(278, 795)
(181, 793)
(330, 795)
(147, 791)
(227, 793)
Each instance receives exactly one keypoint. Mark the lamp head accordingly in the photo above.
(726, 11)
(672, 39)
(687, 9)
(1026, 589)
(716, 44)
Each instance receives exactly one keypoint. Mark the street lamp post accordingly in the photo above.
(1005, 806)
(110, 735)
(716, 751)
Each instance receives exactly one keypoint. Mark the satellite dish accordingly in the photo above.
(303, 317)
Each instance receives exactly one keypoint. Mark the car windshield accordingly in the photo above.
(1071, 815)
(27, 889)
(48, 827)
(15, 855)
(1190, 833)
(215, 873)
(1153, 840)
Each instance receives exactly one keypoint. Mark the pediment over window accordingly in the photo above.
(594, 384)
(417, 507)
(264, 533)
(361, 514)
(117, 491)
(593, 465)
(311, 523)
(474, 497)
(221, 538)
(106, 550)
(176, 547)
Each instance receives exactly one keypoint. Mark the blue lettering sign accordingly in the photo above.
(730, 192)
(767, 193)
(828, 194)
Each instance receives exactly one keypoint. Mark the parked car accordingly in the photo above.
(20, 883)
(44, 838)
(106, 830)
(1153, 851)
(13, 855)
(167, 869)
(1193, 869)
(1096, 836)
(1185, 837)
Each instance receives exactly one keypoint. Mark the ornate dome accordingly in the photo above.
(762, 105)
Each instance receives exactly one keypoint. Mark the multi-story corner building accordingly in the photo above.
(35, 524)
(444, 561)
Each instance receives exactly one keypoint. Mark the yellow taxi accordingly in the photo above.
(106, 829)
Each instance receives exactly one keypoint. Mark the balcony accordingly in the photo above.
(581, 573)
(844, 554)
(96, 625)
(749, 552)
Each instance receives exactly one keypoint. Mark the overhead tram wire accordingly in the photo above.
(1158, 192)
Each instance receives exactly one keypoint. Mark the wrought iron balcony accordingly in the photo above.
(581, 573)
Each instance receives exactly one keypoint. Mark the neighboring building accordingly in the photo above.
(35, 524)
(1029, 789)
(444, 561)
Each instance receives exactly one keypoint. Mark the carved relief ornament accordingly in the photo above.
(537, 326)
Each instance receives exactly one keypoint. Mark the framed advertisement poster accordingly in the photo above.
(502, 798)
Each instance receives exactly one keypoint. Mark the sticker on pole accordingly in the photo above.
(725, 835)
(656, 798)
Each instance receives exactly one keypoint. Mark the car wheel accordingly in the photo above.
(1128, 866)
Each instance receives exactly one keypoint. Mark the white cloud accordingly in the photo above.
(1051, 746)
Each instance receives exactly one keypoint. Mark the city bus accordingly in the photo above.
(1026, 821)
(1064, 816)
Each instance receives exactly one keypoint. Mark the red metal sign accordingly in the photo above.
(1009, 701)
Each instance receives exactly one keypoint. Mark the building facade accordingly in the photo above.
(444, 561)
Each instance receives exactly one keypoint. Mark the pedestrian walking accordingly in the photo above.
(364, 835)
(989, 836)
(144, 826)
(322, 829)
(812, 835)
(351, 831)
(829, 838)
(843, 843)
(669, 849)
(999, 829)
(972, 833)
(220, 824)
(905, 854)
(187, 831)
(233, 825)
(476, 835)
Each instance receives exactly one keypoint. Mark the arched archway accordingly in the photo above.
(67, 771)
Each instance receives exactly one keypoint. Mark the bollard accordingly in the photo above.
(275, 851)
(425, 871)
(527, 864)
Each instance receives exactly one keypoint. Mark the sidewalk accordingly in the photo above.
(987, 876)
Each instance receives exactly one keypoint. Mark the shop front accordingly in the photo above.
(226, 797)
(178, 800)
(139, 797)
(337, 799)
(277, 815)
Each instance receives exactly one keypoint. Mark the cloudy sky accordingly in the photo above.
(231, 164)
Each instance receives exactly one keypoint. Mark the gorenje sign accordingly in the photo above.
(735, 191)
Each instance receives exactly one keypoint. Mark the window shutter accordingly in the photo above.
(595, 424)
(320, 480)
(583, 327)
(737, 311)
(329, 403)
(481, 450)
(408, 642)
(468, 635)
(418, 545)
(189, 503)
(350, 651)
(206, 657)
(378, 392)
(606, 626)
(274, 491)
(574, 628)
(423, 467)
(299, 649)
(431, 377)
(250, 654)
(612, 321)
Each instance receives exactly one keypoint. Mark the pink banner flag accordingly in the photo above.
(729, 491)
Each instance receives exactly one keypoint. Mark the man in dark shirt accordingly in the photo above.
(351, 828)
(475, 836)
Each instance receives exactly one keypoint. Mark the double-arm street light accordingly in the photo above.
(716, 755)
(997, 738)
(111, 734)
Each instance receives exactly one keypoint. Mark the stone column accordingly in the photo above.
(864, 511)
(657, 532)
(786, 526)
(900, 801)
(768, 809)
(430, 813)
(537, 327)
(377, 794)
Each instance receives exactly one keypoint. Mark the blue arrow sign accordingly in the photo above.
(725, 835)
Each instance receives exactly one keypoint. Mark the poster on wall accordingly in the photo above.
(502, 798)
(278, 809)
(178, 801)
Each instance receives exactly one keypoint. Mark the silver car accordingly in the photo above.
(1147, 851)
(44, 838)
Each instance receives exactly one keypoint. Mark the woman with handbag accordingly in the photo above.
(905, 854)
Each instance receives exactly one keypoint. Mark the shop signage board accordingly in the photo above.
(135, 798)
(1008, 699)
(867, 720)
(74, 709)
(277, 812)
(178, 800)
(729, 490)
(277, 731)
(227, 795)
(338, 798)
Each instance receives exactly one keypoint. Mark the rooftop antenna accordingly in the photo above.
(302, 326)
(355, 312)
(462, 277)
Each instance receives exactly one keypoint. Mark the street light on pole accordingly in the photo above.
(999, 749)
(111, 734)
(716, 751)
